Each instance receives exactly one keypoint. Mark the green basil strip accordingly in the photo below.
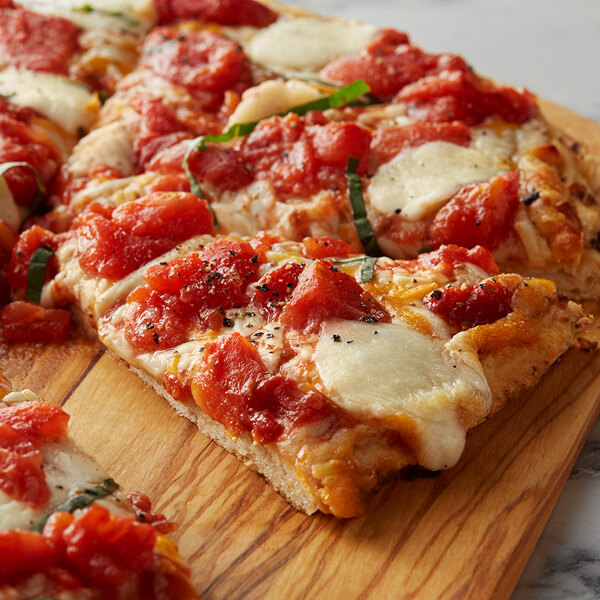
(339, 98)
(41, 191)
(367, 269)
(87, 497)
(359, 212)
(37, 273)
(88, 8)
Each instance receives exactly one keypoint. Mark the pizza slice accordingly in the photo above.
(444, 155)
(66, 528)
(328, 371)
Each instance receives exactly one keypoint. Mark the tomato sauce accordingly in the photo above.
(235, 388)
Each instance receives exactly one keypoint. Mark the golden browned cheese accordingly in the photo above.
(552, 216)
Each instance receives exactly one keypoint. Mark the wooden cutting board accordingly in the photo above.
(464, 534)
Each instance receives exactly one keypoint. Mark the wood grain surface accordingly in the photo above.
(464, 534)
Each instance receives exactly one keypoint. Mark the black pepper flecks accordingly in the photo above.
(336, 338)
(155, 338)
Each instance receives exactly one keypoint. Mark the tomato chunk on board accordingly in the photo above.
(266, 408)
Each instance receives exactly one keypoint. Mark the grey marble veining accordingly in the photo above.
(553, 48)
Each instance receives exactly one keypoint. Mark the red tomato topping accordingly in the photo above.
(15, 441)
(275, 288)
(36, 42)
(22, 322)
(177, 387)
(24, 552)
(446, 258)
(155, 321)
(193, 291)
(108, 549)
(388, 63)
(29, 241)
(390, 141)
(326, 247)
(464, 96)
(170, 183)
(479, 214)
(224, 12)
(23, 479)
(159, 129)
(36, 420)
(334, 143)
(21, 143)
(324, 292)
(205, 63)
(143, 509)
(235, 388)
(471, 305)
(218, 167)
(138, 231)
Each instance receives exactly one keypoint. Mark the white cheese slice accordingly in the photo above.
(9, 211)
(401, 371)
(111, 145)
(307, 44)
(70, 104)
(121, 15)
(270, 98)
(420, 180)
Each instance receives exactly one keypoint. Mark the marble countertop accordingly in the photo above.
(553, 48)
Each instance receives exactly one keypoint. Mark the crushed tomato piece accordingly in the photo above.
(446, 258)
(235, 388)
(22, 322)
(472, 305)
(324, 292)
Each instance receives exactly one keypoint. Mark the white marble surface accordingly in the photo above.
(553, 48)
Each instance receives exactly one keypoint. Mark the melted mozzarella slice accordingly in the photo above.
(420, 180)
(307, 44)
(70, 104)
(111, 145)
(270, 98)
(399, 371)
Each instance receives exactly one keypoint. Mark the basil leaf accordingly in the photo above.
(359, 212)
(367, 269)
(88, 8)
(87, 497)
(339, 98)
(41, 191)
(37, 273)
